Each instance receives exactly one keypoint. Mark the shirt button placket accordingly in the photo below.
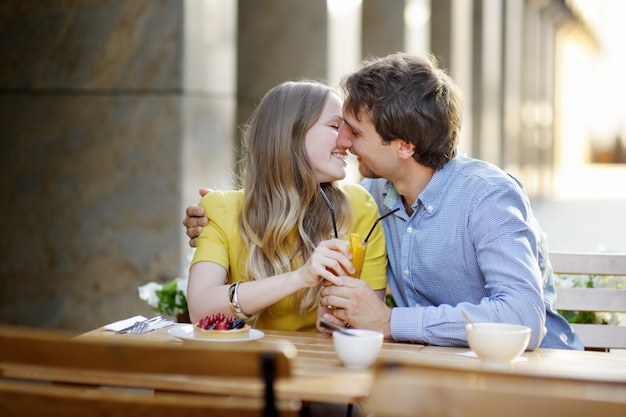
(406, 270)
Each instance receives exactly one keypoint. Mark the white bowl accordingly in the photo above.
(497, 344)
(358, 350)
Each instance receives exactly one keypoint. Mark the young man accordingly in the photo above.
(465, 238)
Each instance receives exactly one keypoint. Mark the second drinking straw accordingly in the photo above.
(332, 211)
(377, 220)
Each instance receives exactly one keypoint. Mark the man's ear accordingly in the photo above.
(405, 149)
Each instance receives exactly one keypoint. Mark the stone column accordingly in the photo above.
(512, 85)
(208, 99)
(440, 31)
(382, 27)
(278, 40)
(487, 75)
(452, 40)
(95, 112)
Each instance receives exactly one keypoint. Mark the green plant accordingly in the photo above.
(589, 281)
(172, 300)
(167, 299)
(390, 301)
(580, 316)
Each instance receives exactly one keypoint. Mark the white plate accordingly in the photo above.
(185, 333)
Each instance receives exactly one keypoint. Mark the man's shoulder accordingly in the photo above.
(485, 172)
(374, 186)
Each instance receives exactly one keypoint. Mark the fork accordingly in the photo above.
(131, 329)
(143, 326)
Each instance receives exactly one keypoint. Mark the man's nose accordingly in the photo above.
(344, 137)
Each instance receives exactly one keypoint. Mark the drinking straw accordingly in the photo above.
(377, 220)
(332, 211)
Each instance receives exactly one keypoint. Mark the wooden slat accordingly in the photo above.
(591, 299)
(588, 263)
(601, 336)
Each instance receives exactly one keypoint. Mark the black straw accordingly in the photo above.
(332, 211)
(379, 219)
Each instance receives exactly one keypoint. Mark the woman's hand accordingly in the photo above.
(329, 261)
(321, 311)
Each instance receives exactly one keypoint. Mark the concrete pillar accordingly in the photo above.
(278, 40)
(209, 97)
(487, 92)
(440, 31)
(477, 78)
(460, 66)
(545, 122)
(452, 39)
(383, 27)
(530, 98)
(95, 113)
(512, 85)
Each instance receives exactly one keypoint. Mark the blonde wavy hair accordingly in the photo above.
(284, 215)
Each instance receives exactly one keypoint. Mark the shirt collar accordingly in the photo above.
(431, 194)
(392, 197)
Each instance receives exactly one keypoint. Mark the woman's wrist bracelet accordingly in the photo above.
(233, 301)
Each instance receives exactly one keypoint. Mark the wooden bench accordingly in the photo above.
(44, 373)
(594, 336)
(429, 389)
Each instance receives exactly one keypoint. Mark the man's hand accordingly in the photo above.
(194, 220)
(357, 304)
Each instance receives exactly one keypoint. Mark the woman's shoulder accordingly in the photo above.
(356, 192)
(361, 201)
(219, 200)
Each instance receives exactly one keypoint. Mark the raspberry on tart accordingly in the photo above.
(219, 326)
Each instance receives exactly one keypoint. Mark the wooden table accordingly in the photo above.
(319, 376)
(407, 376)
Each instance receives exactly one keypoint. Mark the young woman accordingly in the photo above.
(268, 247)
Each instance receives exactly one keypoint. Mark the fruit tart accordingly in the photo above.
(219, 326)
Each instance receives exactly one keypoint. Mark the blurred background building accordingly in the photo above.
(114, 112)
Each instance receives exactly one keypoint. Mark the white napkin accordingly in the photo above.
(122, 324)
(472, 354)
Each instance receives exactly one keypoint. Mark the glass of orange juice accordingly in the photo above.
(358, 247)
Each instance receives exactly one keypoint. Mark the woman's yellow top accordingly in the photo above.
(221, 242)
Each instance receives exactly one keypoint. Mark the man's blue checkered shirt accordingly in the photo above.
(472, 244)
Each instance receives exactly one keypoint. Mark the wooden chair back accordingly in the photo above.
(27, 399)
(426, 389)
(38, 355)
(594, 336)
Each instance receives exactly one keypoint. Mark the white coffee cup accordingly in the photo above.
(358, 349)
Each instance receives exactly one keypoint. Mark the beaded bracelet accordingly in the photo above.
(234, 302)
